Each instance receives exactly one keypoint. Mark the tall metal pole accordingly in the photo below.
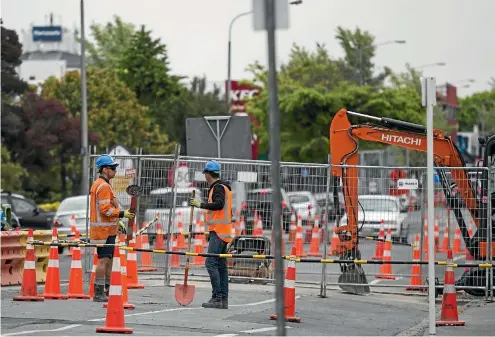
(84, 112)
(428, 93)
(229, 57)
(275, 157)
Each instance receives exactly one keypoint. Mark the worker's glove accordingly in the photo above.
(122, 228)
(194, 202)
(128, 214)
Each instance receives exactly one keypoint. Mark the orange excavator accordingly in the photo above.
(459, 193)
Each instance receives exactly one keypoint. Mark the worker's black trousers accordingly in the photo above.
(217, 267)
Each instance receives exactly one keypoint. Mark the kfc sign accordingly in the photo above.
(240, 94)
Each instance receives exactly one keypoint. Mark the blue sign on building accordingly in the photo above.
(47, 33)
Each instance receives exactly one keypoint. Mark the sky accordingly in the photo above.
(459, 33)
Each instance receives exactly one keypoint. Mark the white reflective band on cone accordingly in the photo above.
(449, 289)
(291, 284)
(131, 256)
(53, 263)
(76, 264)
(29, 264)
(115, 291)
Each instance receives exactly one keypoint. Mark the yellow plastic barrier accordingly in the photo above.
(40, 252)
(13, 253)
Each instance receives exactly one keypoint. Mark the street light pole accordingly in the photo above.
(360, 55)
(229, 57)
(84, 112)
(229, 52)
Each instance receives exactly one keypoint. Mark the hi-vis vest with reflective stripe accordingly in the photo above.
(221, 221)
(104, 212)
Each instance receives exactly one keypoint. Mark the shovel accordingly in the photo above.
(184, 293)
(134, 191)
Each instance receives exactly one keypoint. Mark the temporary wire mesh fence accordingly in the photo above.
(309, 216)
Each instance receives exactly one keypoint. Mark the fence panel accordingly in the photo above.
(393, 201)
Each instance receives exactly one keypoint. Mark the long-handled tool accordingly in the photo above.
(134, 191)
(184, 293)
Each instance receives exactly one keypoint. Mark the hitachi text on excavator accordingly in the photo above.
(459, 193)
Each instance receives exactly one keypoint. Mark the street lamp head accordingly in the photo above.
(296, 2)
(400, 41)
(441, 64)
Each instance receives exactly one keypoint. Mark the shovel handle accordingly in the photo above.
(191, 216)
(130, 223)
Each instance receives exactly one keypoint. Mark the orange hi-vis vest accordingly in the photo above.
(220, 221)
(104, 212)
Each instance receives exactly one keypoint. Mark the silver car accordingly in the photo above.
(71, 210)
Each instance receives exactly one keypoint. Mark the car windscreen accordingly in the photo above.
(295, 199)
(72, 205)
(166, 200)
(378, 205)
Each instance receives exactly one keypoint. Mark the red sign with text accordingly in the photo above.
(240, 94)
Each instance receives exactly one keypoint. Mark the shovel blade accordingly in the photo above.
(355, 277)
(184, 294)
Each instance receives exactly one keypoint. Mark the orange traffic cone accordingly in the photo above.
(298, 244)
(416, 281)
(76, 289)
(445, 242)
(29, 289)
(292, 227)
(380, 243)
(52, 285)
(456, 249)
(436, 229)
(314, 248)
(181, 242)
(174, 259)
(132, 270)
(335, 242)
(386, 269)
(146, 258)
(115, 321)
(198, 249)
(123, 271)
(159, 242)
(93, 274)
(449, 314)
(308, 233)
(242, 226)
(290, 292)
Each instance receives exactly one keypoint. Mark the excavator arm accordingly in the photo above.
(344, 139)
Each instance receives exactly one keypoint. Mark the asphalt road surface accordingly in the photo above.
(157, 313)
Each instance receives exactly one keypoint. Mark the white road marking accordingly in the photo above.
(263, 329)
(67, 327)
(227, 335)
(375, 281)
(256, 303)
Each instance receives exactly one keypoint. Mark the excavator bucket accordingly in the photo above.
(353, 280)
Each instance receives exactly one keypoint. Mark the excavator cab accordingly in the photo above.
(457, 186)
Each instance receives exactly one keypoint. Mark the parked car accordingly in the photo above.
(27, 212)
(321, 199)
(304, 202)
(161, 202)
(372, 209)
(73, 207)
(260, 200)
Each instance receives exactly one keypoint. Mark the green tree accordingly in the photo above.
(113, 111)
(357, 65)
(110, 42)
(12, 173)
(479, 109)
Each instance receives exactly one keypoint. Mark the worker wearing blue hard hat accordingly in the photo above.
(104, 218)
(219, 222)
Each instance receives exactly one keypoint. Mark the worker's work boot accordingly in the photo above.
(107, 289)
(214, 302)
(99, 296)
(225, 302)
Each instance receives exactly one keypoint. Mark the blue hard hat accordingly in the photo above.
(212, 166)
(105, 160)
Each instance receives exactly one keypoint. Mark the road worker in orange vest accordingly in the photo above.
(218, 221)
(105, 216)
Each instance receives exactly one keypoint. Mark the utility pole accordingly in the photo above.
(84, 112)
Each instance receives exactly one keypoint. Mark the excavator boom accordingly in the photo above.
(344, 138)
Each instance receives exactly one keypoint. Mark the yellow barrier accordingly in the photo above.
(41, 253)
(13, 253)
